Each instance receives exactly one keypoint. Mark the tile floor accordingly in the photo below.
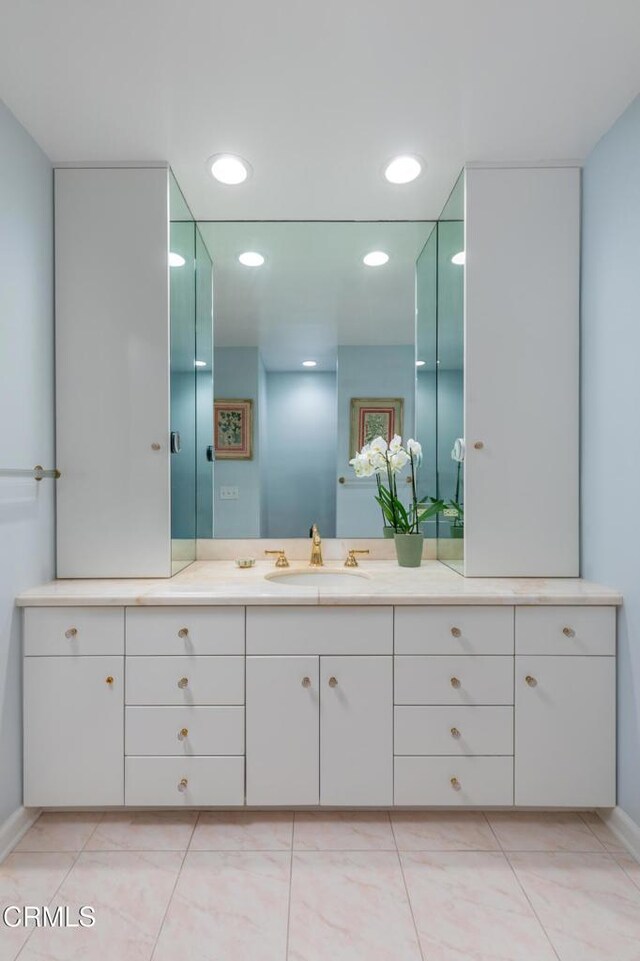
(245, 886)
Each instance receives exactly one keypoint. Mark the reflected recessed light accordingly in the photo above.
(175, 260)
(200, 363)
(420, 363)
(309, 363)
(228, 169)
(375, 259)
(458, 258)
(251, 258)
(402, 170)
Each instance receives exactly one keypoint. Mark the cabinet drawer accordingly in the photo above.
(184, 680)
(566, 630)
(453, 730)
(313, 630)
(185, 630)
(73, 630)
(186, 730)
(454, 630)
(454, 680)
(160, 781)
(448, 781)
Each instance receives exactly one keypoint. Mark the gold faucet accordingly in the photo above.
(316, 548)
(282, 558)
(351, 558)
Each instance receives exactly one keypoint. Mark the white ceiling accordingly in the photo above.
(313, 292)
(317, 96)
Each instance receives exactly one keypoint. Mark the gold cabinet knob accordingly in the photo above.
(182, 733)
(306, 682)
(183, 785)
(72, 632)
(531, 681)
(155, 446)
(183, 682)
(455, 682)
(479, 445)
(455, 732)
(183, 632)
(108, 680)
(456, 632)
(455, 784)
(568, 632)
(333, 682)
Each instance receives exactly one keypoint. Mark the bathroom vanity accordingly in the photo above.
(398, 688)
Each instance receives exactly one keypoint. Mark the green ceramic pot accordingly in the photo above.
(388, 532)
(409, 549)
(457, 532)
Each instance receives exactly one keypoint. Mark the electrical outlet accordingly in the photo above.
(229, 493)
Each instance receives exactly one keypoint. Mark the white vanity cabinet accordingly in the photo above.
(307, 705)
(73, 707)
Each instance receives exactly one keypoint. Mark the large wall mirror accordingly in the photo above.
(313, 348)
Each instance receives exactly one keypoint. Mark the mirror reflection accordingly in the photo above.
(314, 353)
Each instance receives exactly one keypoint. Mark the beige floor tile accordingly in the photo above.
(342, 831)
(524, 831)
(243, 831)
(588, 906)
(228, 906)
(140, 831)
(28, 879)
(58, 831)
(442, 831)
(350, 906)
(604, 833)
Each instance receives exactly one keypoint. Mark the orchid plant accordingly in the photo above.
(457, 455)
(386, 461)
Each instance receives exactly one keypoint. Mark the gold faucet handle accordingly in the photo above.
(351, 559)
(282, 558)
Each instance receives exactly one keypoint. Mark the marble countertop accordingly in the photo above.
(222, 583)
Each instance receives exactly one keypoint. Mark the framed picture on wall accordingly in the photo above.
(232, 429)
(374, 417)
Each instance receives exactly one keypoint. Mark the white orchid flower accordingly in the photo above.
(415, 448)
(398, 460)
(379, 445)
(396, 444)
(362, 465)
(458, 450)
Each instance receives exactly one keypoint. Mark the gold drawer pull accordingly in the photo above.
(184, 732)
(108, 680)
(72, 632)
(333, 682)
(479, 445)
(568, 632)
(455, 784)
(183, 682)
(183, 632)
(182, 785)
(456, 632)
(531, 681)
(455, 682)
(306, 682)
(455, 732)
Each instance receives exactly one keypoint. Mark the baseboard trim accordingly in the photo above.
(15, 827)
(624, 828)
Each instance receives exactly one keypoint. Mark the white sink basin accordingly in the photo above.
(319, 578)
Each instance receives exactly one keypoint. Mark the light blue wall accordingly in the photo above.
(368, 372)
(236, 376)
(610, 406)
(26, 402)
(300, 462)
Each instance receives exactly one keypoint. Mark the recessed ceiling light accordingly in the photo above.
(228, 169)
(176, 260)
(458, 258)
(420, 363)
(251, 258)
(402, 170)
(375, 259)
(200, 363)
(309, 363)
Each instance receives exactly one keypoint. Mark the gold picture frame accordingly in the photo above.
(233, 429)
(374, 417)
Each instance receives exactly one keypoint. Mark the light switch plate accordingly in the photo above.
(229, 493)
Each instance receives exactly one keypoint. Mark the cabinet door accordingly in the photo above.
(356, 730)
(73, 731)
(282, 730)
(565, 731)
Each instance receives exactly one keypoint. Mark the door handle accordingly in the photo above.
(176, 446)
